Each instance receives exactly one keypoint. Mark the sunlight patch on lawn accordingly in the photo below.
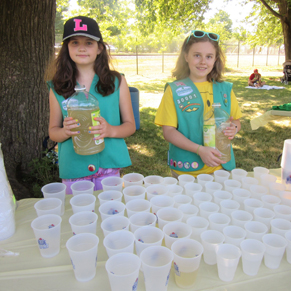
(140, 148)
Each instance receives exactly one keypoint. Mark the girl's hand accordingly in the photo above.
(210, 156)
(231, 130)
(69, 124)
(104, 128)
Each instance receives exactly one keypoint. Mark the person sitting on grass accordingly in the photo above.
(255, 79)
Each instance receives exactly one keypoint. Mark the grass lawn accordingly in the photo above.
(261, 147)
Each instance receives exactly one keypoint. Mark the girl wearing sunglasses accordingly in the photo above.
(198, 84)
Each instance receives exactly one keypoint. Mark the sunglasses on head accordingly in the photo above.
(200, 33)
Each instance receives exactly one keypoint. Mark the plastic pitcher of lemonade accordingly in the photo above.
(215, 122)
(84, 107)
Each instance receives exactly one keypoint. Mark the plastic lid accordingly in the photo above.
(216, 104)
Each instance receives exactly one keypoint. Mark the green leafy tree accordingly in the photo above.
(176, 15)
(272, 19)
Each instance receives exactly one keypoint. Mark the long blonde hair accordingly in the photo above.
(182, 70)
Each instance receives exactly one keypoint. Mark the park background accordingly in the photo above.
(145, 38)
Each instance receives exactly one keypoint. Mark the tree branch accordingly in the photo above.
(273, 11)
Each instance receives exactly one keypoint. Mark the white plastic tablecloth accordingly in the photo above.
(29, 271)
(269, 116)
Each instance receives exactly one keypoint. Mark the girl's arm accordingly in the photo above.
(234, 128)
(127, 128)
(59, 130)
(209, 156)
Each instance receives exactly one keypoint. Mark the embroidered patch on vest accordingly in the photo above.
(194, 165)
(180, 164)
(183, 91)
(175, 164)
(179, 84)
(91, 168)
(171, 162)
(187, 165)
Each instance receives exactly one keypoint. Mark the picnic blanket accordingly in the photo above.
(266, 87)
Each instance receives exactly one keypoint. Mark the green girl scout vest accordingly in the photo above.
(190, 111)
(115, 153)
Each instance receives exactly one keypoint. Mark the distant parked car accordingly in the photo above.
(112, 48)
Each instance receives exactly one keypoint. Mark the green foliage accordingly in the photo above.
(179, 15)
(41, 172)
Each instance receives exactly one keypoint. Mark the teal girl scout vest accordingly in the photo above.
(115, 153)
(190, 110)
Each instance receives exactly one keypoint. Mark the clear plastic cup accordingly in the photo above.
(234, 234)
(48, 206)
(137, 205)
(275, 247)
(269, 201)
(161, 201)
(288, 248)
(218, 221)
(280, 226)
(109, 195)
(266, 179)
(285, 197)
(83, 202)
(200, 197)
(176, 230)
(47, 231)
(155, 190)
(228, 257)
(238, 174)
(228, 206)
(123, 271)
(147, 236)
(133, 192)
(211, 239)
(187, 257)
(55, 190)
(133, 179)
(188, 210)
(119, 241)
(240, 195)
(153, 179)
(202, 179)
(112, 183)
(257, 191)
(240, 217)
(258, 171)
(255, 230)
(114, 223)
(83, 222)
(264, 215)
(221, 175)
(174, 190)
(218, 196)
(231, 184)
(140, 219)
(192, 188)
(198, 224)
(276, 188)
(168, 214)
(156, 264)
(251, 204)
(182, 199)
(252, 253)
(247, 182)
(282, 211)
(111, 208)
(185, 178)
(211, 187)
(170, 181)
(207, 208)
(83, 249)
(81, 187)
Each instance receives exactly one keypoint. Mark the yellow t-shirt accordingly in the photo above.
(167, 115)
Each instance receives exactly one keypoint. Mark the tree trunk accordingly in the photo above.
(26, 45)
(285, 10)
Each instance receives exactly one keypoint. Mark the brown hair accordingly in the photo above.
(63, 72)
(182, 70)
